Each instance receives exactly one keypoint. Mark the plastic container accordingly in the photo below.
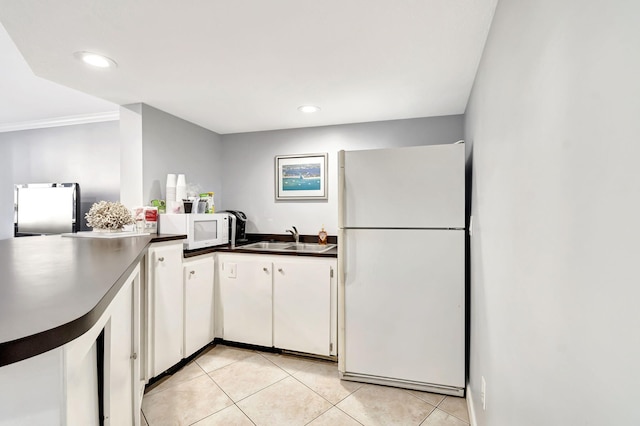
(208, 196)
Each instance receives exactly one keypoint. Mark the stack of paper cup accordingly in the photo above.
(171, 188)
(181, 188)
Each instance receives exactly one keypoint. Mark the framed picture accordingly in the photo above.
(301, 177)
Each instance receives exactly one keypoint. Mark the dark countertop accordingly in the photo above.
(226, 249)
(53, 289)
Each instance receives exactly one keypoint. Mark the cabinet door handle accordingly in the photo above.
(280, 270)
(192, 272)
(161, 259)
(265, 269)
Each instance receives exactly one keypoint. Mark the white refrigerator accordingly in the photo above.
(401, 261)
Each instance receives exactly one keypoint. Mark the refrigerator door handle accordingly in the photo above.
(341, 293)
(341, 255)
(341, 190)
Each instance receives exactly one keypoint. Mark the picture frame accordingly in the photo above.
(301, 177)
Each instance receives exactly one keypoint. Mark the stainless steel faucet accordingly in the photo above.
(295, 234)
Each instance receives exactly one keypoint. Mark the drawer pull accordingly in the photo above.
(161, 259)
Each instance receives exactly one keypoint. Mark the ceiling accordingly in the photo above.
(239, 66)
(28, 101)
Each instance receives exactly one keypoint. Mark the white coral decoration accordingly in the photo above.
(109, 215)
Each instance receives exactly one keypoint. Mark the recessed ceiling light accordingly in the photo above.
(308, 108)
(96, 60)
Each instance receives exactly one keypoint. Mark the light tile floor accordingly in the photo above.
(232, 386)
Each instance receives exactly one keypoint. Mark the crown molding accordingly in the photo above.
(61, 121)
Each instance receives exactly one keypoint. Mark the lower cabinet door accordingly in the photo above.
(302, 306)
(245, 290)
(166, 306)
(120, 380)
(198, 304)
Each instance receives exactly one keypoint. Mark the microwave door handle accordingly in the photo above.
(233, 230)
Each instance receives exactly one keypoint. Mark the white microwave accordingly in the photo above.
(202, 229)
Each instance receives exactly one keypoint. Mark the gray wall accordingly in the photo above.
(6, 189)
(553, 122)
(173, 145)
(248, 167)
(87, 153)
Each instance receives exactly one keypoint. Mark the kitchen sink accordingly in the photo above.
(288, 247)
(267, 245)
(310, 247)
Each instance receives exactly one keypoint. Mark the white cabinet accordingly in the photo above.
(164, 307)
(281, 301)
(122, 396)
(198, 275)
(123, 385)
(246, 298)
(62, 386)
(180, 305)
(302, 305)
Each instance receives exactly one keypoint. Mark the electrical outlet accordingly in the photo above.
(231, 269)
(483, 394)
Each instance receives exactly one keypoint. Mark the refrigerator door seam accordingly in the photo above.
(401, 228)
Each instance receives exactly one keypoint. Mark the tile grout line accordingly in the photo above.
(406, 391)
(350, 416)
(234, 403)
(332, 404)
(226, 365)
(215, 412)
(437, 406)
(314, 419)
(451, 414)
(335, 405)
(260, 390)
(316, 393)
(243, 398)
(245, 414)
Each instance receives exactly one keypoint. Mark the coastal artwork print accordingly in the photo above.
(301, 177)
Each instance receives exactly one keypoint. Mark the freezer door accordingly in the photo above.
(413, 187)
(404, 305)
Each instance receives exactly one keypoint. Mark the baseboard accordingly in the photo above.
(472, 412)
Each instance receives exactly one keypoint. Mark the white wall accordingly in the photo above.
(131, 161)
(554, 124)
(248, 169)
(86, 153)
